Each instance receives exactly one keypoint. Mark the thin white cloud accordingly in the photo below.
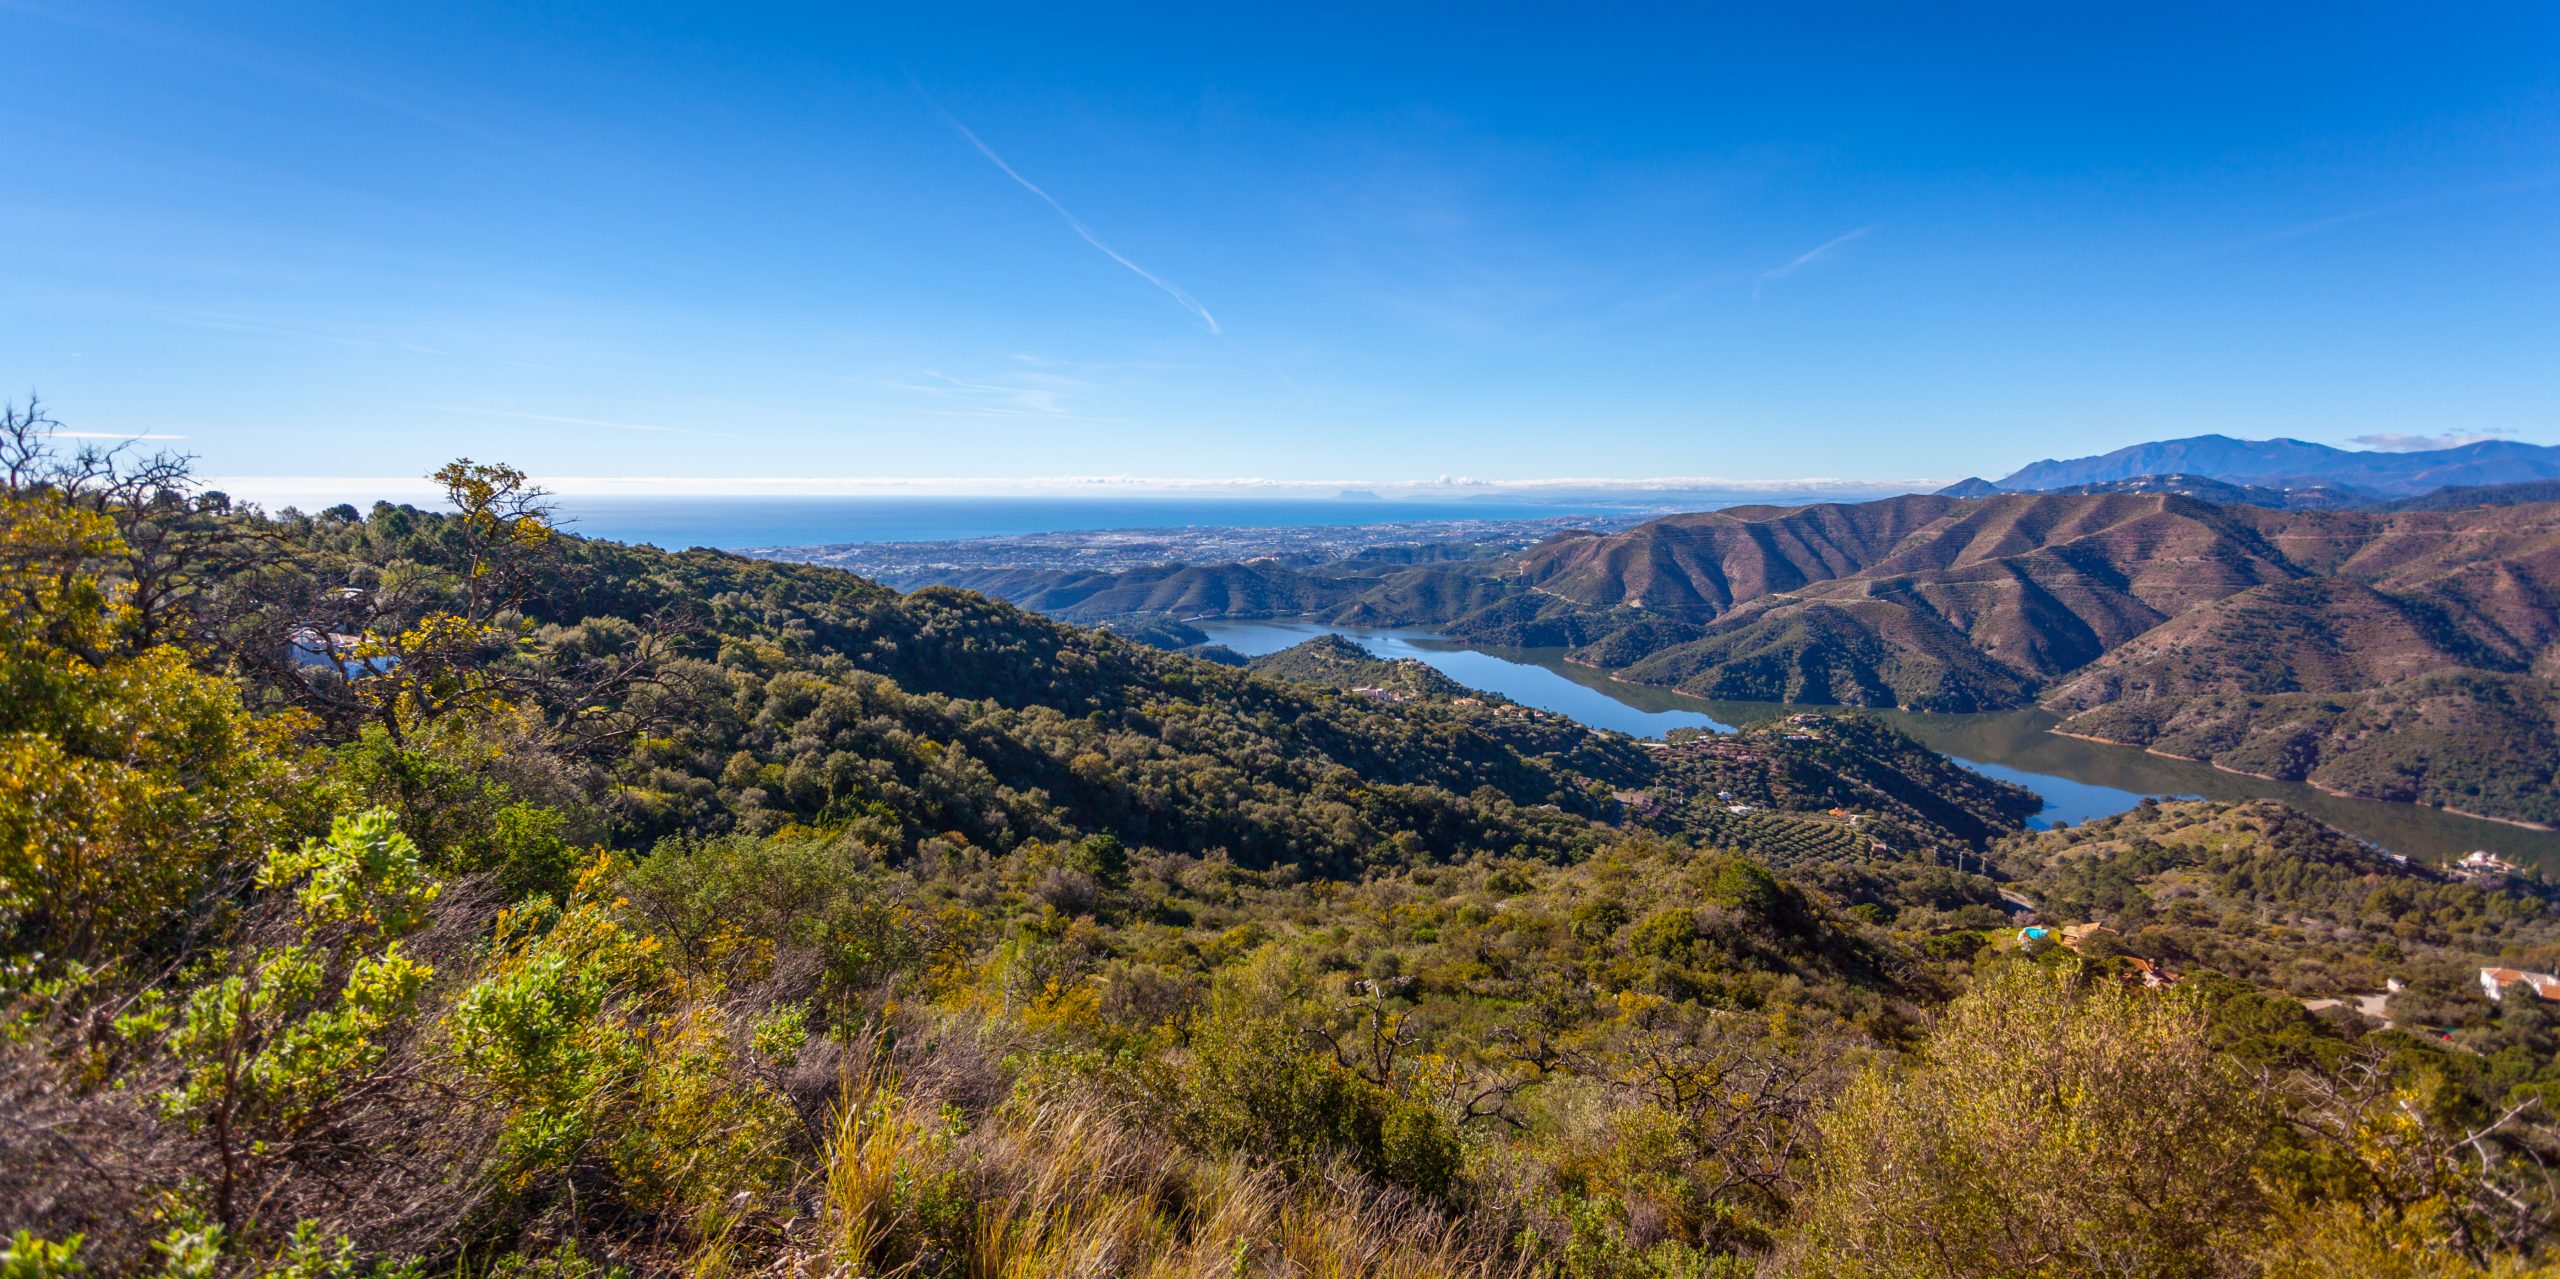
(1815, 254)
(110, 435)
(2352, 216)
(236, 324)
(1028, 395)
(171, 39)
(2402, 442)
(1172, 290)
(566, 421)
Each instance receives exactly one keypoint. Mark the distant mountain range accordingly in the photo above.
(2287, 464)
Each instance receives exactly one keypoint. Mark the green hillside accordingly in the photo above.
(2481, 743)
(399, 893)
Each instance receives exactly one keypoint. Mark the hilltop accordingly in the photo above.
(1335, 662)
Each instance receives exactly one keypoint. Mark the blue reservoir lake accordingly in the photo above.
(2078, 779)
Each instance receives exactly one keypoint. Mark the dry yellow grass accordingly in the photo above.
(1063, 1189)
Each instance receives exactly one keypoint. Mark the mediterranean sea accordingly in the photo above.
(735, 523)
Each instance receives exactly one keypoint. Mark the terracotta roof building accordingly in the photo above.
(2494, 982)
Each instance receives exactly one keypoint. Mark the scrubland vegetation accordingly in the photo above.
(399, 893)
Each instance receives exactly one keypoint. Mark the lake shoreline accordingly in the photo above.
(2079, 776)
(2324, 788)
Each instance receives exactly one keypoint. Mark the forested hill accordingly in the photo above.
(395, 894)
(1334, 662)
(759, 695)
(778, 694)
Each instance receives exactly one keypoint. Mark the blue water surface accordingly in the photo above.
(731, 523)
(1522, 682)
(1532, 684)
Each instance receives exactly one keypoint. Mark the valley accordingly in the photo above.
(2078, 779)
(2402, 656)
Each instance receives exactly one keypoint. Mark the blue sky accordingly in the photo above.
(985, 245)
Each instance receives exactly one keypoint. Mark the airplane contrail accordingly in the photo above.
(1814, 254)
(1175, 291)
